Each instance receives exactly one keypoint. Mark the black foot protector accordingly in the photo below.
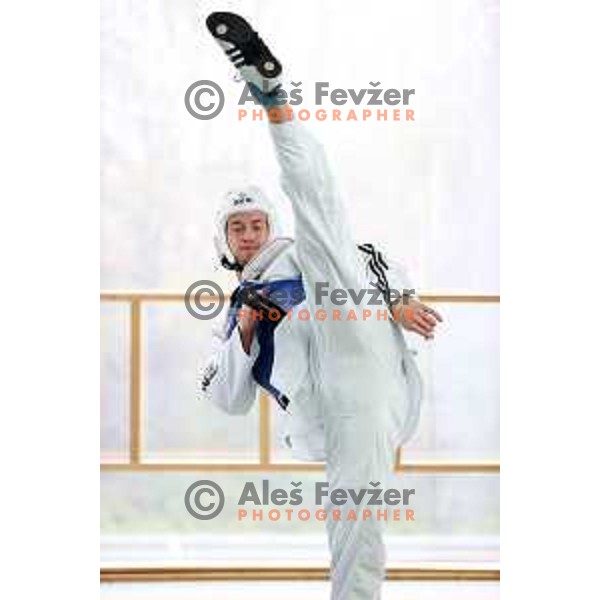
(245, 49)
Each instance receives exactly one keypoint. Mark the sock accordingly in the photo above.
(270, 100)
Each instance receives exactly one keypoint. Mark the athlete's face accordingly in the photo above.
(247, 232)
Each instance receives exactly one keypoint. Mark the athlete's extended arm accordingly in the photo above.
(407, 308)
(227, 379)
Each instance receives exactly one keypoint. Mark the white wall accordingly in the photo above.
(428, 190)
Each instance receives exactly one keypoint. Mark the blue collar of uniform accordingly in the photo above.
(285, 293)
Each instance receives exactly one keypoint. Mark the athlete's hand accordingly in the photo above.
(253, 306)
(247, 325)
(418, 317)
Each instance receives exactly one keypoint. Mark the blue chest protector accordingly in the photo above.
(274, 297)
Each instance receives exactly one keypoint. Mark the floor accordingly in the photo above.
(295, 591)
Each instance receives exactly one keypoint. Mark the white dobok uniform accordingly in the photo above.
(353, 385)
